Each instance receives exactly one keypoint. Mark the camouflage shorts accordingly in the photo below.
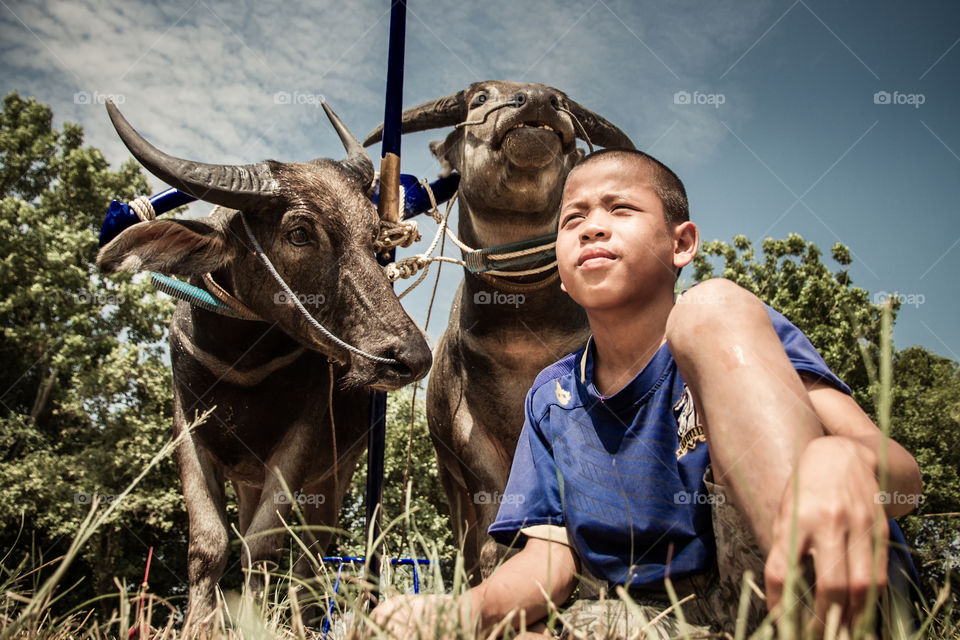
(599, 613)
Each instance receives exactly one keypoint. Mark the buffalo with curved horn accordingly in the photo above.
(513, 145)
(269, 376)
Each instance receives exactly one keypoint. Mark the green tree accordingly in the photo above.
(86, 393)
(926, 420)
(844, 325)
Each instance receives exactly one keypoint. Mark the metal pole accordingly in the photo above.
(388, 205)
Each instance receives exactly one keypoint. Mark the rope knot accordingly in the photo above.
(142, 207)
(396, 234)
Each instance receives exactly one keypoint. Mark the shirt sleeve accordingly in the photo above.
(533, 493)
(803, 355)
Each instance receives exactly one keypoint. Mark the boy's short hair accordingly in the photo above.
(668, 187)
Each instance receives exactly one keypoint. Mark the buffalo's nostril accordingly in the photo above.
(520, 99)
(413, 359)
(555, 102)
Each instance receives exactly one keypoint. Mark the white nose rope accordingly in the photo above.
(296, 301)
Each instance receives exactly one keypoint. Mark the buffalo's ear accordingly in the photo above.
(448, 152)
(181, 247)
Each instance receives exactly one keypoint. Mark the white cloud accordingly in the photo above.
(199, 80)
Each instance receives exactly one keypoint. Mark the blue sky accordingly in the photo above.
(785, 130)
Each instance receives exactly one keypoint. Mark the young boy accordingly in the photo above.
(612, 483)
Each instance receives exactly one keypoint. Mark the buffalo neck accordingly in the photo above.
(242, 343)
(486, 309)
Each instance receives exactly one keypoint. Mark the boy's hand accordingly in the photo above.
(523, 582)
(417, 616)
(838, 521)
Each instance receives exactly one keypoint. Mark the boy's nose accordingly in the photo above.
(592, 230)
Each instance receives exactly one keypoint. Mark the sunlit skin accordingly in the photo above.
(780, 443)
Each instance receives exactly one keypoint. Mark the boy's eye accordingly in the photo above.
(570, 218)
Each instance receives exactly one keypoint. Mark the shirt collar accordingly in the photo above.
(634, 391)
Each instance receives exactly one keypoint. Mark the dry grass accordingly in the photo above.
(28, 606)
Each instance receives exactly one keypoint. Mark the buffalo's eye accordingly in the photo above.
(480, 99)
(299, 237)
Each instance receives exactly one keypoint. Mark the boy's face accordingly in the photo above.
(614, 247)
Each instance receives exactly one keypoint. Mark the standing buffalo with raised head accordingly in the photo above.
(513, 146)
(270, 379)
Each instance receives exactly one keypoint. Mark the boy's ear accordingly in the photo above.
(686, 241)
(181, 247)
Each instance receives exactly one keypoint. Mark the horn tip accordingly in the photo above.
(373, 137)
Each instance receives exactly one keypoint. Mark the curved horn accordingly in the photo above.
(357, 158)
(231, 186)
(441, 112)
(602, 132)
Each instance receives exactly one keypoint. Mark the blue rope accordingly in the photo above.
(190, 293)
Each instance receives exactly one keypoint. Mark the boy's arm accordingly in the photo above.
(765, 426)
(840, 511)
(518, 584)
(841, 416)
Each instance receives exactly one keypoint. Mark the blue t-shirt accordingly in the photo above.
(624, 473)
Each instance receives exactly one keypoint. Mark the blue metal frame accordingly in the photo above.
(342, 560)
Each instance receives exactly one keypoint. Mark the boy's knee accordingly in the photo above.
(711, 305)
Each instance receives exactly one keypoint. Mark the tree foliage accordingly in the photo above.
(926, 420)
(86, 393)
